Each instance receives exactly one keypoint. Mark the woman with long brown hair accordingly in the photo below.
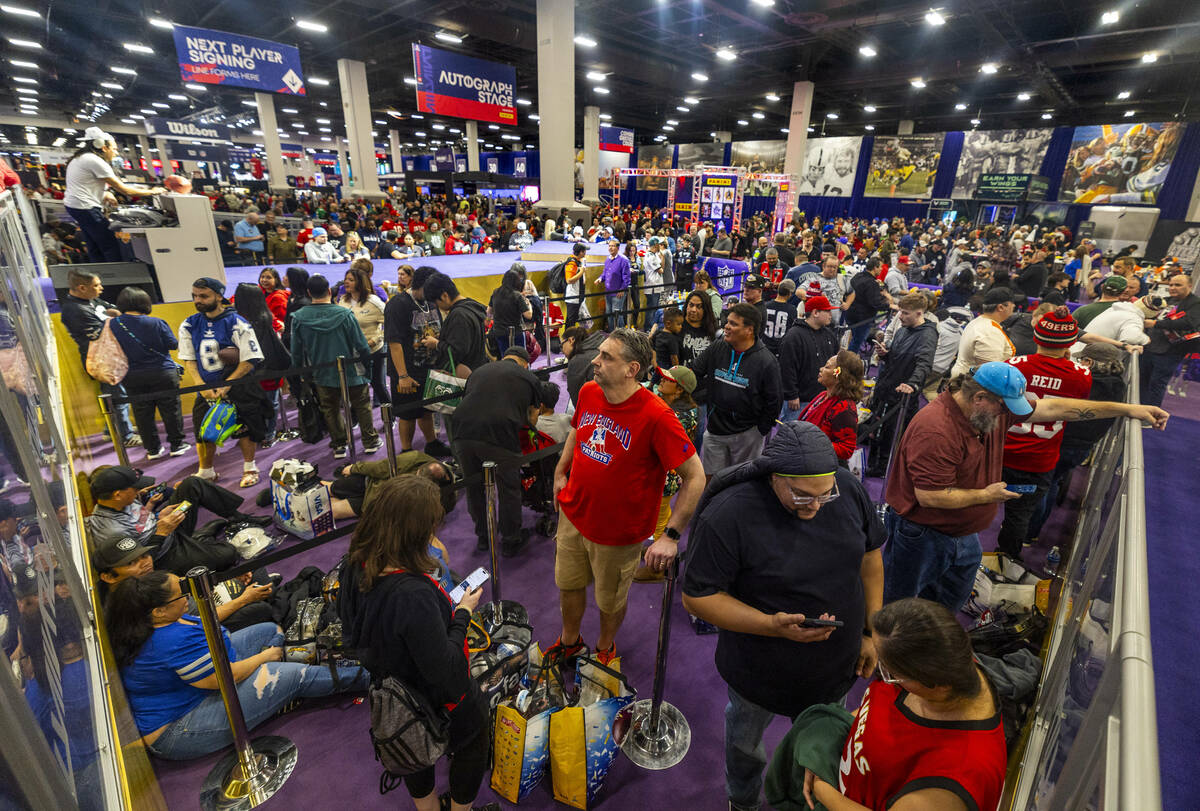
(835, 410)
(359, 297)
(403, 624)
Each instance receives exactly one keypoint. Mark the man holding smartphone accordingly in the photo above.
(778, 542)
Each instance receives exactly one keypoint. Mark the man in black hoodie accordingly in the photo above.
(905, 364)
(806, 347)
(580, 349)
(460, 340)
(744, 393)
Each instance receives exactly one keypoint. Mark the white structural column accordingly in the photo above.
(356, 109)
(591, 154)
(343, 166)
(556, 105)
(270, 135)
(394, 145)
(724, 136)
(472, 146)
(797, 140)
(905, 127)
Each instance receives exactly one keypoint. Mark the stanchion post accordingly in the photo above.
(895, 439)
(255, 769)
(489, 493)
(347, 409)
(106, 409)
(385, 415)
(512, 337)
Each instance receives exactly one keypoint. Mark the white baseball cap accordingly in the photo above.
(521, 226)
(95, 133)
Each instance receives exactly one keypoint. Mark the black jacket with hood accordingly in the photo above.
(744, 390)
(579, 367)
(462, 335)
(909, 359)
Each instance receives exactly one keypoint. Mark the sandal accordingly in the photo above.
(249, 479)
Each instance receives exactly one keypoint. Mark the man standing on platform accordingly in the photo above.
(616, 278)
(1174, 334)
(622, 442)
(248, 238)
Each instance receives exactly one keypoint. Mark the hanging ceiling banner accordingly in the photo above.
(208, 153)
(616, 139)
(168, 128)
(233, 60)
(464, 87)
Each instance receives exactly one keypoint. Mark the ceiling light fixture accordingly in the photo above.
(683, 109)
(112, 85)
(493, 126)
(918, 83)
(690, 100)
(1124, 94)
(760, 116)
(246, 102)
(934, 17)
(700, 77)
(1023, 97)
(974, 122)
(743, 122)
(772, 97)
(125, 71)
(446, 36)
(25, 43)
(289, 110)
(596, 76)
(869, 127)
(585, 41)
(311, 25)
(199, 88)
(668, 127)
(137, 48)
(1147, 58)
(1047, 116)
(672, 122)
(24, 79)
(867, 51)
(1130, 113)
(784, 130)
(524, 102)
(27, 90)
(410, 80)
(726, 54)
(536, 117)
(19, 11)
(868, 108)
(1110, 17)
(989, 67)
(764, 3)
(324, 121)
(960, 106)
(439, 126)
(603, 91)
(316, 80)
(177, 96)
(20, 63)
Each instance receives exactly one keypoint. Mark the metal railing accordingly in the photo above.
(1093, 742)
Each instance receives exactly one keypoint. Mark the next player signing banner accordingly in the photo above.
(616, 139)
(464, 87)
(217, 57)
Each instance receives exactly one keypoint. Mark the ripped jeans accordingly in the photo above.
(205, 728)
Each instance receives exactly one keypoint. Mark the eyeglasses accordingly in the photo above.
(805, 501)
(886, 676)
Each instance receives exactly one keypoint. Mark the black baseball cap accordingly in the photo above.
(997, 296)
(112, 552)
(517, 352)
(754, 280)
(118, 477)
(25, 581)
(215, 285)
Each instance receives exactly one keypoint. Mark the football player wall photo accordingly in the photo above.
(1119, 163)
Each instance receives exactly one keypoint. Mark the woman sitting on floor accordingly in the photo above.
(170, 679)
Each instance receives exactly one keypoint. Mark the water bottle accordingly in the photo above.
(1053, 559)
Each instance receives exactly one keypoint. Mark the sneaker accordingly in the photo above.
(340, 453)
(558, 652)
(438, 448)
(180, 449)
(511, 547)
(371, 447)
(158, 454)
(133, 441)
(606, 655)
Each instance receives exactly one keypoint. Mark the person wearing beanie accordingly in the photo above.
(947, 478)
(787, 537)
(1031, 449)
(320, 251)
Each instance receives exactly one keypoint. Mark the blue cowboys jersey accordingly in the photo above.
(200, 339)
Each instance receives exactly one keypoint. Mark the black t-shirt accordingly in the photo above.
(403, 321)
(667, 344)
(495, 404)
(508, 310)
(780, 317)
(746, 545)
(692, 342)
(370, 239)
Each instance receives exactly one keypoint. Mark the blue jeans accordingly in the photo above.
(615, 301)
(1156, 373)
(502, 343)
(102, 245)
(921, 562)
(205, 728)
(120, 412)
(859, 335)
(651, 315)
(788, 415)
(745, 755)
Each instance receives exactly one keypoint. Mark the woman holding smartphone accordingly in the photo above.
(403, 624)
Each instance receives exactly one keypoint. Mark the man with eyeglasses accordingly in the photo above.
(777, 542)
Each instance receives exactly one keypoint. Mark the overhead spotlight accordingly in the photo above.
(536, 117)
(812, 129)
(585, 41)
(324, 121)
(177, 96)
(743, 122)
(311, 25)
(126, 71)
(20, 63)
(867, 51)
(25, 43)
(24, 80)
(1130, 113)
(918, 83)
(315, 80)
(691, 100)
(137, 48)
(960, 106)
(446, 36)
(989, 67)
(934, 17)
(289, 110)
(868, 108)
(683, 109)
(603, 91)
(19, 11)
(246, 102)
(726, 54)
(784, 130)
(833, 116)
(596, 76)
(772, 97)
(974, 122)
(1047, 116)
(672, 122)
(1110, 17)
(1147, 58)
(1124, 94)
(668, 127)
(869, 127)
(700, 77)
(158, 22)
(524, 102)
(1023, 97)
(410, 80)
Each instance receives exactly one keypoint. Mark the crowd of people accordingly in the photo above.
(737, 410)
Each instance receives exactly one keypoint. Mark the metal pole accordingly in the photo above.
(512, 336)
(106, 409)
(664, 640)
(254, 771)
(385, 415)
(347, 410)
(489, 493)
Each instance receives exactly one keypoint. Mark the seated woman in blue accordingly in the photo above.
(169, 676)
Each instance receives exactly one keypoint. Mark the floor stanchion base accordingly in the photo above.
(226, 790)
(658, 748)
(506, 611)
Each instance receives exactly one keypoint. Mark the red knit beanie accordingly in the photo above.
(1056, 328)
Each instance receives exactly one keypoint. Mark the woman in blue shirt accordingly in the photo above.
(147, 342)
(170, 679)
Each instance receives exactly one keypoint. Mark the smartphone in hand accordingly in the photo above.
(474, 580)
(816, 622)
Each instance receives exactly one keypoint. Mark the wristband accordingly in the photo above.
(671, 533)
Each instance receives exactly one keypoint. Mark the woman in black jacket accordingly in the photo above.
(403, 624)
(298, 284)
(509, 309)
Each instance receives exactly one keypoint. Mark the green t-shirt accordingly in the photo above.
(1089, 311)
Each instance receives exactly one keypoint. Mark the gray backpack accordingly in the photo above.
(408, 732)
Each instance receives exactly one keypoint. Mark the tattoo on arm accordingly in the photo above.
(1081, 414)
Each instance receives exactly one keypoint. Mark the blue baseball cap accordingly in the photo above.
(1007, 383)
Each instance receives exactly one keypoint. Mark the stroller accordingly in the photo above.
(537, 481)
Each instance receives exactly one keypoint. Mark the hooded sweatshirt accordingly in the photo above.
(743, 388)
(324, 254)
(462, 335)
(909, 358)
(579, 367)
(802, 353)
(323, 332)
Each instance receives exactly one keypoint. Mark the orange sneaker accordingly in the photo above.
(558, 652)
(606, 655)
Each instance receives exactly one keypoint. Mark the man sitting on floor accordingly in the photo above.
(356, 484)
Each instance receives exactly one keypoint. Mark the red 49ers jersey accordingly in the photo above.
(1033, 446)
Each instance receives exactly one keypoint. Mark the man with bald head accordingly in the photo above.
(1173, 335)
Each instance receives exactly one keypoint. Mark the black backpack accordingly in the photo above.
(556, 278)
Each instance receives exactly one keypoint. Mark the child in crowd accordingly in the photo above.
(668, 345)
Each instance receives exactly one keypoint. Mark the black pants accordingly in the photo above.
(184, 548)
(379, 386)
(1019, 512)
(471, 454)
(1156, 372)
(164, 383)
(352, 488)
(102, 245)
(572, 315)
(470, 745)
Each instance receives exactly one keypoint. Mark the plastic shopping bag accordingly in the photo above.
(582, 748)
(521, 742)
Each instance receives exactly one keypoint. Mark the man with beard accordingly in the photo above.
(218, 347)
(945, 484)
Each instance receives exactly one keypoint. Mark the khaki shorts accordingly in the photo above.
(579, 561)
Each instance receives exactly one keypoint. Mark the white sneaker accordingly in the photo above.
(181, 449)
(376, 445)
(340, 453)
(158, 454)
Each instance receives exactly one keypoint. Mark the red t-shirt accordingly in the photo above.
(619, 463)
(892, 752)
(415, 225)
(1033, 446)
(304, 236)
